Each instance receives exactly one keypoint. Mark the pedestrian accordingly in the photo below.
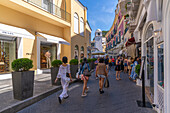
(83, 68)
(63, 70)
(118, 68)
(133, 73)
(110, 62)
(107, 63)
(125, 65)
(129, 65)
(122, 63)
(101, 73)
(113, 61)
(96, 63)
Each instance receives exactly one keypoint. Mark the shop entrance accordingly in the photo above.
(7, 53)
(48, 53)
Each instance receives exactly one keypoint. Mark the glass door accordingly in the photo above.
(150, 64)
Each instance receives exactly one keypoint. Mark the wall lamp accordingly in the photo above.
(157, 32)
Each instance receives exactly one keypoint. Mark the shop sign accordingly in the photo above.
(7, 33)
(29, 54)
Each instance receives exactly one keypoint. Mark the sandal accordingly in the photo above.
(84, 95)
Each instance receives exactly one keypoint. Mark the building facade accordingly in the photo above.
(115, 36)
(33, 28)
(80, 31)
(149, 22)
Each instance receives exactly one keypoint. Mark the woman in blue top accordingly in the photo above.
(84, 66)
(133, 73)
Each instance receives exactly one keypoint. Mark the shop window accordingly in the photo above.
(150, 63)
(81, 26)
(7, 53)
(161, 65)
(76, 23)
(48, 54)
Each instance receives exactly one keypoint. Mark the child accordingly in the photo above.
(63, 70)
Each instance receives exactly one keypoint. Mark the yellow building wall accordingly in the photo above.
(77, 39)
(30, 51)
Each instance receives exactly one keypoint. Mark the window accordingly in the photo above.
(76, 23)
(81, 26)
(76, 52)
(82, 52)
(161, 65)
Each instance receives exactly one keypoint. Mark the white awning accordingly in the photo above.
(12, 31)
(151, 12)
(54, 39)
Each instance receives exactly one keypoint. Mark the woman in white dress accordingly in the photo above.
(63, 70)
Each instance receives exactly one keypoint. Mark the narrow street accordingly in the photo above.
(120, 97)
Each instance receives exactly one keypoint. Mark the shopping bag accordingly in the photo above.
(106, 83)
(77, 75)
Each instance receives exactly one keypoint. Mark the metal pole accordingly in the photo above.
(143, 89)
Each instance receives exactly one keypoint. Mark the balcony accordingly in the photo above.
(51, 8)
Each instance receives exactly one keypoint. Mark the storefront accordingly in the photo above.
(48, 49)
(11, 45)
(149, 53)
(48, 54)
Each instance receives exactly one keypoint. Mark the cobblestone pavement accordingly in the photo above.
(120, 97)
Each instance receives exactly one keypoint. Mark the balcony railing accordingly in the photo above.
(51, 8)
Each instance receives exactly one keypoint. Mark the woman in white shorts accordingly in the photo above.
(101, 73)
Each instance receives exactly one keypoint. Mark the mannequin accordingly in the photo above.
(48, 56)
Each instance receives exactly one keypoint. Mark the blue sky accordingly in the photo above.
(100, 13)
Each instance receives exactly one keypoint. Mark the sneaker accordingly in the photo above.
(84, 95)
(66, 97)
(59, 99)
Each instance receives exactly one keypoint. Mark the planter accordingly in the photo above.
(138, 82)
(54, 72)
(74, 70)
(23, 84)
(92, 65)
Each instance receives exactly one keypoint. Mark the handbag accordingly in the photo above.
(67, 74)
(86, 72)
(106, 83)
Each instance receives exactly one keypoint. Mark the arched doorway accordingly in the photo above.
(149, 53)
(76, 52)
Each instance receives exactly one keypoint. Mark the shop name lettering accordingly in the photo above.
(29, 53)
(9, 33)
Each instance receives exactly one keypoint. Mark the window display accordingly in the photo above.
(161, 65)
(48, 54)
(7, 55)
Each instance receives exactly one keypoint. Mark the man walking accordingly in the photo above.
(107, 63)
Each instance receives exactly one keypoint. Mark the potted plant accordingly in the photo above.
(73, 67)
(22, 78)
(137, 70)
(54, 71)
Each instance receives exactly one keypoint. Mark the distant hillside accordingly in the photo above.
(104, 33)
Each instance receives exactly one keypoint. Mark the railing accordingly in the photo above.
(51, 8)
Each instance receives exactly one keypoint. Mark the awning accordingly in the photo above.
(151, 12)
(130, 42)
(54, 39)
(7, 30)
(98, 53)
